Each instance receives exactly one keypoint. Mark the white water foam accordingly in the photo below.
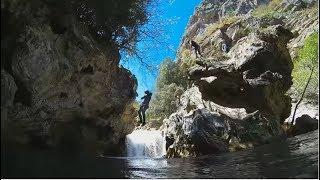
(144, 143)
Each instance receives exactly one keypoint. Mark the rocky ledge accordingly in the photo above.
(236, 103)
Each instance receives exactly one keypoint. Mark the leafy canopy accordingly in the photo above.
(171, 83)
(165, 101)
(109, 20)
(307, 59)
(308, 55)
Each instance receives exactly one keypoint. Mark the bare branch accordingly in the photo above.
(302, 95)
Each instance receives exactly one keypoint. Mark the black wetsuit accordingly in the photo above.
(196, 48)
(227, 41)
(143, 107)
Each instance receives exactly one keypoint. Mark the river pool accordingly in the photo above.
(295, 157)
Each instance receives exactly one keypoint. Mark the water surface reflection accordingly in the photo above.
(292, 158)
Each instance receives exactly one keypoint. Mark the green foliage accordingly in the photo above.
(171, 83)
(165, 101)
(227, 21)
(184, 67)
(267, 11)
(172, 72)
(168, 73)
(309, 52)
(185, 54)
(242, 32)
(307, 58)
(113, 20)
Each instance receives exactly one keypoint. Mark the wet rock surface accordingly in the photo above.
(305, 124)
(196, 133)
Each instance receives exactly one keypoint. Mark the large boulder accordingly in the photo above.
(255, 77)
(202, 127)
(196, 133)
(305, 124)
(183, 127)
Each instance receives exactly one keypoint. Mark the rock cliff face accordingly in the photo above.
(302, 20)
(238, 98)
(213, 11)
(251, 83)
(60, 88)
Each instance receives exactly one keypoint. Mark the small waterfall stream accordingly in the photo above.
(144, 143)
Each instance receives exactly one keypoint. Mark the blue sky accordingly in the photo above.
(173, 16)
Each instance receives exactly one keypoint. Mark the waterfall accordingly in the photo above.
(144, 143)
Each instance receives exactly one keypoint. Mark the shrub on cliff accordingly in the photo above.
(307, 59)
(113, 20)
(268, 10)
(225, 22)
(184, 67)
(112, 23)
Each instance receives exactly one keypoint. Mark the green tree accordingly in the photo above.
(168, 73)
(305, 68)
(172, 81)
(165, 101)
(108, 20)
(174, 72)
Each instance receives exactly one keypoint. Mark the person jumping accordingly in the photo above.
(144, 106)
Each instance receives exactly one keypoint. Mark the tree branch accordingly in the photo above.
(301, 98)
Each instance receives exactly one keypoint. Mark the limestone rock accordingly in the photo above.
(196, 133)
(256, 76)
(71, 91)
(213, 11)
(245, 87)
(203, 127)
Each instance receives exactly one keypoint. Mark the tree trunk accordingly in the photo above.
(301, 98)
